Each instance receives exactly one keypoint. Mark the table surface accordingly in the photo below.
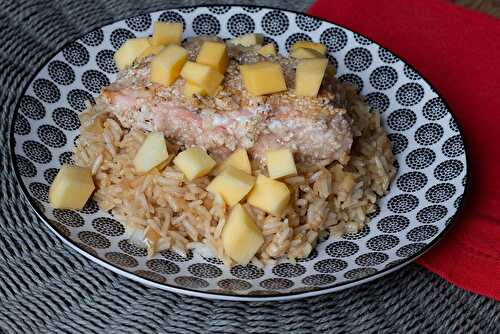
(491, 7)
(47, 287)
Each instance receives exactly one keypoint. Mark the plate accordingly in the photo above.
(419, 208)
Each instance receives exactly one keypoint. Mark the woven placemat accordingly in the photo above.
(45, 287)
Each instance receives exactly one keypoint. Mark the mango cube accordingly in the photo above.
(191, 89)
(269, 195)
(194, 162)
(152, 152)
(151, 50)
(241, 238)
(232, 184)
(203, 76)
(165, 33)
(309, 75)
(280, 163)
(309, 45)
(239, 159)
(129, 51)
(167, 65)
(214, 54)
(303, 53)
(263, 78)
(71, 188)
(267, 50)
(248, 40)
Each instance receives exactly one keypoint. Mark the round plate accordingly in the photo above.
(421, 203)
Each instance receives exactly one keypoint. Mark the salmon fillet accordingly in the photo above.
(316, 129)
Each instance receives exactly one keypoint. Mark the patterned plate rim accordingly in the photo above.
(215, 295)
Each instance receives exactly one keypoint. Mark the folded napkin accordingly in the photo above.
(458, 51)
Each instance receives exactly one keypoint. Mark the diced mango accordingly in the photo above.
(309, 75)
(165, 33)
(309, 45)
(167, 65)
(280, 163)
(151, 50)
(269, 195)
(214, 54)
(241, 238)
(71, 188)
(248, 40)
(303, 53)
(267, 50)
(191, 89)
(152, 152)
(239, 159)
(129, 51)
(263, 78)
(194, 162)
(232, 184)
(203, 76)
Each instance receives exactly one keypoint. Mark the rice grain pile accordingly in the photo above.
(169, 212)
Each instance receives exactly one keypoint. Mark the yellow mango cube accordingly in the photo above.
(248, 40)
(232, 184)
(167, 65)
(165, 33)
(214, 54)
(152, 152)
(191, 89)
(280, 163)
(303, 53)
(269, 195)
(194, 162)
(267, 50)
(71, 188)
(239, 159)
(263, 78)
(309, 75)
(241, 238)
(203, 76)
(321, 48)
(151, 50)
(129, 51)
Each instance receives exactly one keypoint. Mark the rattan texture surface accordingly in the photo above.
(46, 287)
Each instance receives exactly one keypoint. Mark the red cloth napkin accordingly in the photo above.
(458, 51)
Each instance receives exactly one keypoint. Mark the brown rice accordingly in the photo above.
(178, 214)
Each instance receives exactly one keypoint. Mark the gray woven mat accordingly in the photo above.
(47, 287)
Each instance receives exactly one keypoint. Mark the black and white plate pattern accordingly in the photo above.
(426, 140)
